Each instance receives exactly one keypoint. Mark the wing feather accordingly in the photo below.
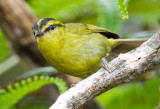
(78, 28)
(102, 31)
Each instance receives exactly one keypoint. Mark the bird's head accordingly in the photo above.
(45, 25)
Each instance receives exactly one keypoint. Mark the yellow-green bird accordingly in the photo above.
(73, 48)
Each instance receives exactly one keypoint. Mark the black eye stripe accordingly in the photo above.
(52, 27)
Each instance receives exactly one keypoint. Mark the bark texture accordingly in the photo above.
(125, 67)
(16, 22)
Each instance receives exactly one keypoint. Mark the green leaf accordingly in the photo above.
(13, 93)
(123, 9)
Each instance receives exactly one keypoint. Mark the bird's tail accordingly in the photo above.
(131, 42)
(126, 45)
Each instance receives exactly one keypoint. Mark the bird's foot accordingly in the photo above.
(105, 64)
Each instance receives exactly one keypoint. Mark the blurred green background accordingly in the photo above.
(144, 20)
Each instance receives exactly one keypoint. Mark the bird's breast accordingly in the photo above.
(75, 55)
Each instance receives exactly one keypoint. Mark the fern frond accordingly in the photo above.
(13, 93)
(123, 9)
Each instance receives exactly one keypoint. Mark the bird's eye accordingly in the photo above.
(51, 27)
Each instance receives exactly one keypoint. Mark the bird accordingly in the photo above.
(75, 49)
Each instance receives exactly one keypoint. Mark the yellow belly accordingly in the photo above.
(77, 56)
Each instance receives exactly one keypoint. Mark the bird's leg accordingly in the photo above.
(105, 64)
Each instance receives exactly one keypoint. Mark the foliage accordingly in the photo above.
(108, 15)
(123, 9)
(4, 50)
(62, 10)
(136, 95)
(13, 93)
(148, 11)
(104, 13)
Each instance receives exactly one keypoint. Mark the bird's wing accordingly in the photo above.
(102, 31)
(78, 28)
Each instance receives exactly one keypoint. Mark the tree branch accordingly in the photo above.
(125, 68)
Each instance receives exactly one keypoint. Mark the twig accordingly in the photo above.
(125, 67)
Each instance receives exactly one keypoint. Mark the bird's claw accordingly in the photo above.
(105, 64)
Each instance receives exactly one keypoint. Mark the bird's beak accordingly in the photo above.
(38, 34)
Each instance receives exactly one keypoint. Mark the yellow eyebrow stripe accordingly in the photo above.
(54, 22)
(38, 23)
